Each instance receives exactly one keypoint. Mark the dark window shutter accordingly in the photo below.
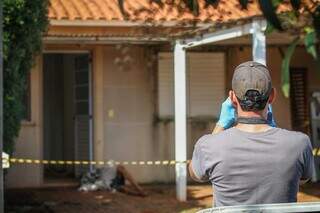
(26, 99)
(299, 102)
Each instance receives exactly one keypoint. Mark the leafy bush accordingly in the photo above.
(24, 21)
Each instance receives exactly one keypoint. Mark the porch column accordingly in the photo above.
(98, 123)
(180, 117)
(258, 42)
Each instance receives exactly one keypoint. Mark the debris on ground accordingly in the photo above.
(98, 179)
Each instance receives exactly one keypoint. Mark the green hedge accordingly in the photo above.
(24, 23)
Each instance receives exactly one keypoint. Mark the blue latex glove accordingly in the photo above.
(270, 118)
(227, 114)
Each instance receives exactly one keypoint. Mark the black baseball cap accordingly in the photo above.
(254, 76)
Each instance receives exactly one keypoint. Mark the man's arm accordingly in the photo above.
(226, 118)
(197, 166)
(307, 161)
(193, 175)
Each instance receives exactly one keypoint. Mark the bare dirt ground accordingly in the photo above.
(161, 199)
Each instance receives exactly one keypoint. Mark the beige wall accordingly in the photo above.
(124, 109)
(128, 108)
(29, 143)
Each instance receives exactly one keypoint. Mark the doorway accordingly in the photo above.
(67, 107)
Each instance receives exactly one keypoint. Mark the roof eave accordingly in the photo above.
(102, 40)
(126, 23)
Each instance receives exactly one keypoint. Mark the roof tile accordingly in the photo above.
(144, 10)
(82, 9)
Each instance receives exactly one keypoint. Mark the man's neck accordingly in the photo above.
(245, 114)
(252, 127)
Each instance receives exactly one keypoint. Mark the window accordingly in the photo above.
(205, 84)
(298, 95)
(27, 100)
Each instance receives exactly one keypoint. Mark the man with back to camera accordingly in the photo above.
(247, 159)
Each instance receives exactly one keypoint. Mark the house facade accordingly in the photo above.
(103, 86)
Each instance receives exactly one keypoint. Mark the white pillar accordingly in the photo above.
(258, 42)
(180, 120)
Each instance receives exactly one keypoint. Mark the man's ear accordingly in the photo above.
(233, 98)
(272, 96)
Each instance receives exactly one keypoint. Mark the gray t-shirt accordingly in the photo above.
(253, 168)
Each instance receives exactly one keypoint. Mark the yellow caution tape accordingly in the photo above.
(315, 151)
(77, 162)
